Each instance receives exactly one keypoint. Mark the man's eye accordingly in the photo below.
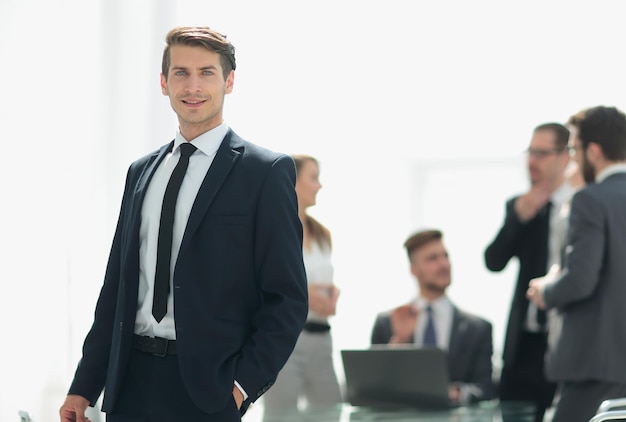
(180, 73)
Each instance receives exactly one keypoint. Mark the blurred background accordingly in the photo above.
(419, 113)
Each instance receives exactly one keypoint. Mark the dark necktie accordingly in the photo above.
(430, 338)
(166, 226)
(541, 314)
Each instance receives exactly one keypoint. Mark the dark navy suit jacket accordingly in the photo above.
(240, 293)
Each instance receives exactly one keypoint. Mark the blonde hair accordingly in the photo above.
(317, 230)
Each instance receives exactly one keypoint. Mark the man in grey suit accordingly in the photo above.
(589, 357)
(431, 320)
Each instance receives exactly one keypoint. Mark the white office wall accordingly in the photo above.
(52, 186)
(462, 197)
(418, 113)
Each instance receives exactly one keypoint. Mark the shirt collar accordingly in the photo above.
(208, 142)
(560, 195)
(610, 170)
(439, 304)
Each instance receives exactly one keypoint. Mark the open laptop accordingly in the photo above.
(383, 376)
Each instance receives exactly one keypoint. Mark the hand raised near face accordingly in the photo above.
(528, 204)
(403, 320)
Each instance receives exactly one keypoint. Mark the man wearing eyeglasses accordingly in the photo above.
(534, 232)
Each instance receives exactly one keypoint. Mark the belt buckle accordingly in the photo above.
(160, 347)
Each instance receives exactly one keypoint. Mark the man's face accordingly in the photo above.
(431, 266)
(546, 163)
(196, 87)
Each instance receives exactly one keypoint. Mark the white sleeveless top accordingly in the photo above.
(319, 270)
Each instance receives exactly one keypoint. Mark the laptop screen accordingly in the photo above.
(384, 376)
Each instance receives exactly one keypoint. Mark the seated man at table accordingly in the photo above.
(432, 320)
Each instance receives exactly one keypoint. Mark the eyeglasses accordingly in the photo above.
(573, 150)
(543, 153)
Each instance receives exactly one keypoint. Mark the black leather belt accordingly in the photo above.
(157, 346)
(316, 327)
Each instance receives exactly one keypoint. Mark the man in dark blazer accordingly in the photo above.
(533, 232)
(589, 359)
(466, 337)
(237, 300)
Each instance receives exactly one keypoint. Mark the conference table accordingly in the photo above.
(491, 411)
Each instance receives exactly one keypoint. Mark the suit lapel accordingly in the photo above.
(226, 157)
(458, 331)
(144, 180)
(130, 259)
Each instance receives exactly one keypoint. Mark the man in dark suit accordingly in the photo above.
(589, 359)
(237, 296)
(533, 231)
(433, 321)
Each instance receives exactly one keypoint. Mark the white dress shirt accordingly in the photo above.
(557, 233)
(199, 163)
(442, 318)
(610, 170)
(319, 270)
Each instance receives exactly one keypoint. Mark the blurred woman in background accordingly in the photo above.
(309, 376)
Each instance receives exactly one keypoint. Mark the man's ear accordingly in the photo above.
(594, 152)
(163, 85)
(230, 81)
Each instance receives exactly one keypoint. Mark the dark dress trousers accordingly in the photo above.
(239, 290)
(469, 352)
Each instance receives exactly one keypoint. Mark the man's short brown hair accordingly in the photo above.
(200, 36)
(419, 239)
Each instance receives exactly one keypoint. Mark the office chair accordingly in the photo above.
(611, 410)
(612, 404)
(611, 415)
